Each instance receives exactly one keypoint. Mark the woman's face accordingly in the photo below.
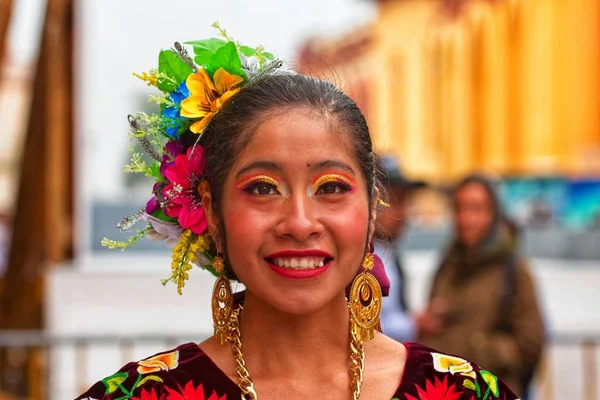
(474, 214)
(296, 213)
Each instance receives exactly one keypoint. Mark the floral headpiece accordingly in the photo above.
(193, 91)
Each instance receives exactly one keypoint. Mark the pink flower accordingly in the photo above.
(182, 195)
(191, 393)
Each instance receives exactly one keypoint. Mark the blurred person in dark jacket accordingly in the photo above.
(396, 319)
(484, 292)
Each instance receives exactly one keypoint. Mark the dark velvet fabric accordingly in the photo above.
(187, 373)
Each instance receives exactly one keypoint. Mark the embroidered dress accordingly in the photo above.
(187, 373)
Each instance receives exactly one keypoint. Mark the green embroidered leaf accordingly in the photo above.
(473, 385)
(113, 382)
(492, 381)
(469, 384)
(204, 49)
(149, 378)
(172, 66)
(227, 58)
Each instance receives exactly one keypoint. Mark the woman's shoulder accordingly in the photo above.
(430, 374)
(183, 372)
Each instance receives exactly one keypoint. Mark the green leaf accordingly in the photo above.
(185, 126)
(227, 58)
(204, 49)
(113, 382)
(171, 65)
(160, 214)
(155, 171)
(247, 51)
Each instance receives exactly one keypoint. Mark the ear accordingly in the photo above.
(213, 221)
(374, 206)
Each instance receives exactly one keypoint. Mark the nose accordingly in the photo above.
(300, 220)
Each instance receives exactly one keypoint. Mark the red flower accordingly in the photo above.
(182, 195)
(438, 390)
(147, 395)
(191, 393)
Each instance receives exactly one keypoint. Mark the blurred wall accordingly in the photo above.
(509, 86)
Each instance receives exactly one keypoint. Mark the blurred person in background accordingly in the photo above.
(396, 319)
(484, 292)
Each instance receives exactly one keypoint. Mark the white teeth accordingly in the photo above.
(299, 263)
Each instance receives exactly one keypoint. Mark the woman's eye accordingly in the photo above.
(262, 189)
(333, 188)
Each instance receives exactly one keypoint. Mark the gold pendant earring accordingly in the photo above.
(365, 302)
(222, 301)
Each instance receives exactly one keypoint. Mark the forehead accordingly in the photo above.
(298, 139)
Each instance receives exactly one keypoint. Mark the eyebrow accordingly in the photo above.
(271, 166)
(332, 164)
(265, 165)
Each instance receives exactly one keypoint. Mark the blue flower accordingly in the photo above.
(171, 115)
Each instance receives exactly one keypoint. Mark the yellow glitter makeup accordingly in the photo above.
(327, 178)
(247, 181)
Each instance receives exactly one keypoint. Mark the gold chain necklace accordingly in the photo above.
(357, 360)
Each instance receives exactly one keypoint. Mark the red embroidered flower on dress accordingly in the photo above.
(438, 390)
(182, 195)
(147, 396)
(191, 393)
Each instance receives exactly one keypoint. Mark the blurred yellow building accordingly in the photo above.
(505, 86)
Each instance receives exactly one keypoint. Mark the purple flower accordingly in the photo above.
(173, 149)
(152, 205)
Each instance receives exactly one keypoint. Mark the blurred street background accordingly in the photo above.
(510, 88)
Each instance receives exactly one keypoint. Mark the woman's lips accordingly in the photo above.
(299, 264)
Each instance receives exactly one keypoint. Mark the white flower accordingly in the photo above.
(201, 259)
(251, 66)
(170, 232)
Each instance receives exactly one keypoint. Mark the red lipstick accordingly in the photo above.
(299, 273)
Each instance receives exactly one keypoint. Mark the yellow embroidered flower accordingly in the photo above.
(159, 362)
(454, 365)
(206, 98)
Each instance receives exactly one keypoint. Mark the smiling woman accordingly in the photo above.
(277, 190)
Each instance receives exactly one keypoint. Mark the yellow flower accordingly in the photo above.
(159, 362)
(206, 98)
(454, 365)
(151, 78)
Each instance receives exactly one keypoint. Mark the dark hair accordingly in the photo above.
(231, 128)
(489, 186)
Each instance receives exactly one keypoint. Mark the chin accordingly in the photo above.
(299, 301)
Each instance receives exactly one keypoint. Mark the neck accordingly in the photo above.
(275, 343)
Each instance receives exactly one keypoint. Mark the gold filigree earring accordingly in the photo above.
(365, 302)
(222, 300)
